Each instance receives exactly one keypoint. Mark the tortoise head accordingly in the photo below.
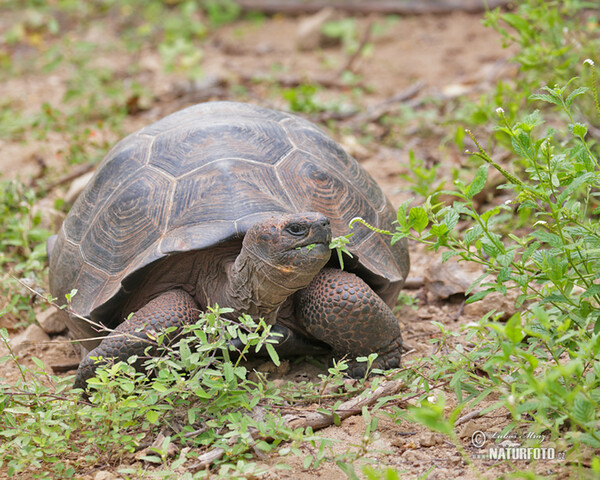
(294, 245)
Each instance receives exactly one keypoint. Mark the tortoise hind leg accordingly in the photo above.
(340, 309)
(135, 335)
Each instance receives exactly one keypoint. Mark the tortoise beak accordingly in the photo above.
(320, 231)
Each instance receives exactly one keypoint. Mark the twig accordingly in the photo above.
(467, 417)
(461, 310)
(363, 41)
(417, 395)
(98, 327)
(377, 111)
(76, 172)
(207, 459)
(386, 7)
(50, 396)
(413, 283)
(292, 81)
(351, 407)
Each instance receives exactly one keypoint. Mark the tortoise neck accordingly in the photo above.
(259, 288)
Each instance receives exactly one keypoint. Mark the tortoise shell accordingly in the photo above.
(202, 176)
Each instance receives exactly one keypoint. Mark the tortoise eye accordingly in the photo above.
(296, 229)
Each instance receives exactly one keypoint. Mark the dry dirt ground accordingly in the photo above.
(441, 56)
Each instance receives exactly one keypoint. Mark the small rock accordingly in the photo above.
(32, 334)
(155, 449)
(354, 148)
(104, 475)
(279, 382)
(157, 446)
(209, 85)
(51, 321)
(451, 277)
(429, 439)
(416, 456)
(270, 367)
(258, 414)
(77, 187)
(493, 301)
(309, 35)
(330, 389)
(469, 429)
(442, 474)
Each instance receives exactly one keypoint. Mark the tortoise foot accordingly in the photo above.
(340, 309)
(137, 335)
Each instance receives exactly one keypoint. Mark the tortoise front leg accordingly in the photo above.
(340, 309)
(135, 335)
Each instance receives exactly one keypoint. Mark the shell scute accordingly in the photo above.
(130, 223)
(191, 147)
(115, 171)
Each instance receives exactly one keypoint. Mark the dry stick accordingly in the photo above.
(292, 81)
(467, 417)
(97, 326)
(315, 420)
(385, 7)
(377, 111)
(67, 309)
(351, 407)
(413, 283)
(77, 172)
(366, 37)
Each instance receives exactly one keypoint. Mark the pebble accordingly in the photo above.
(469, 429)
(493, 301)
(429, 439)
(32, 334)
(104, 475)
(51, 321)
(416, 456)
(444, 279)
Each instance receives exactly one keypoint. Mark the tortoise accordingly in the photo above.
(231, 204)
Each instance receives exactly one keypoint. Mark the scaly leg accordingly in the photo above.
(340, 309)
(135, 335)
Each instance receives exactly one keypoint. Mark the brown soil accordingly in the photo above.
(450, 55)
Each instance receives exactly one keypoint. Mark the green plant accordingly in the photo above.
(22, 245)
(553, 38)
(303, 99)
(424, 180)
(202, 400)
(346, 32)
(221, 12)
(545, 357)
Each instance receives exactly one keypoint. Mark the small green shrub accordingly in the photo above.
(544, 359)
(553, 38)
(22, 246)
(201, 401)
